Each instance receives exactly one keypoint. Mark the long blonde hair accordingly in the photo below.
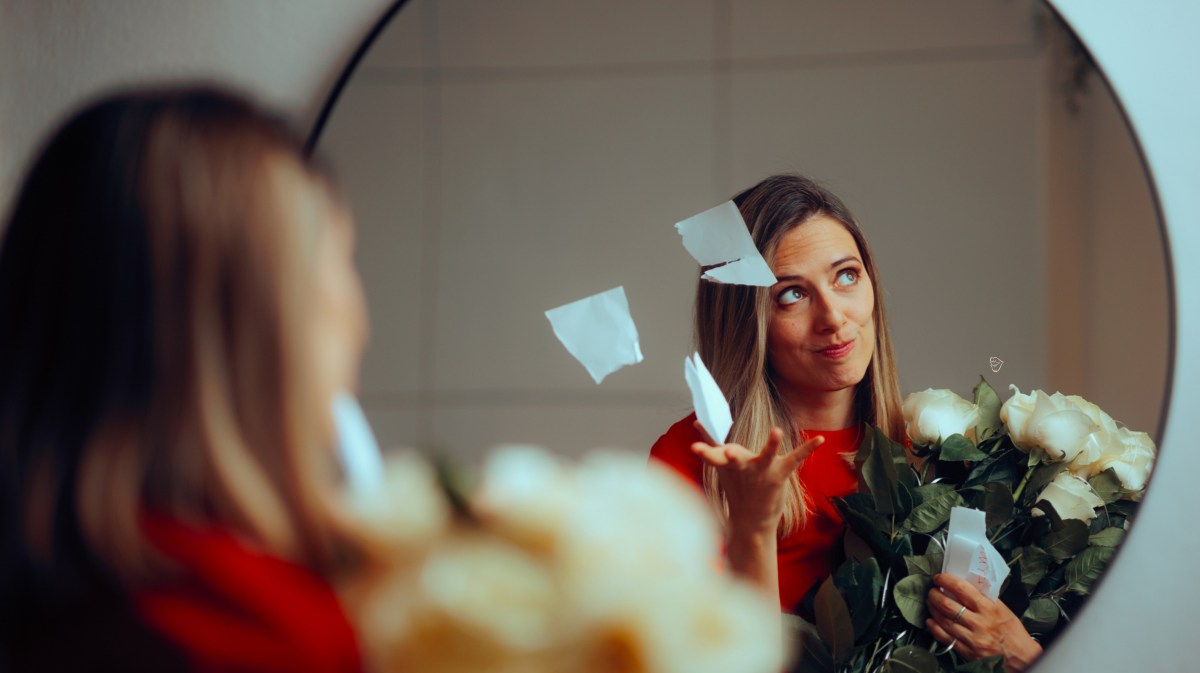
(731, 327)
(160, 259)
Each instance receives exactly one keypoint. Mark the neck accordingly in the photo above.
(824, 410)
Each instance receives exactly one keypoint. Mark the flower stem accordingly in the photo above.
(1024, 480)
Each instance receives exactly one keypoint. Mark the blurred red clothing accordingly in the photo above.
(805, 556)
(240, 610)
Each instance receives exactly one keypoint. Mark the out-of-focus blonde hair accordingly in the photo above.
(154, 284)
(731, 327)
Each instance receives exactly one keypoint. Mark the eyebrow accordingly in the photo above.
(851, 258)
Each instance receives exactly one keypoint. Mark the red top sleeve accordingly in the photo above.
(805, 556)
(241, 610)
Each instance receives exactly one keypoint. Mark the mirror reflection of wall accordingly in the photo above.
(506, 158)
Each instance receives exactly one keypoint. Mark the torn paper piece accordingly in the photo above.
(969, 555)
(356, 446)
(711, 408)
(598, 331)
(719, 236)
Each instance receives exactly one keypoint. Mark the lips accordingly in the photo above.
(837, 351)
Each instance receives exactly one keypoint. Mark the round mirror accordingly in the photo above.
(504, 159)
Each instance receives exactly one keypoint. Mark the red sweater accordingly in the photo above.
(240, 610)
(807, 555)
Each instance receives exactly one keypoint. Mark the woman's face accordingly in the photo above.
(821, 334)
(340, 314)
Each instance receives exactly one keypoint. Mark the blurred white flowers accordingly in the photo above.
(608, 565)
(933, 415)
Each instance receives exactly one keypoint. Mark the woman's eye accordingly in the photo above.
(850, 274)
(791, 296)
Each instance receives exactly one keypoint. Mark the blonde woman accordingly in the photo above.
(804, 364)
(178, 306)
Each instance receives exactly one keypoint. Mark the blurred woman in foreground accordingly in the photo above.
(178, 306)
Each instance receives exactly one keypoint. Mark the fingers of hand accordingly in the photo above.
(703, 432)
(803, 451)
(943, 605)
(962, 591)
(774, 441)
(713, 455)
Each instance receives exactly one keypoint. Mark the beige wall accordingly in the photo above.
(56, 53)
(506, 158)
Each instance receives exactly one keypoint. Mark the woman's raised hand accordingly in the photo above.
(754, 486)
(977, 626)
(754, 483)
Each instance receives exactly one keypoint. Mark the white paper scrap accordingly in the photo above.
(969, 555)
(719, 236)
(356, 446)
(711, 408)
(598, 331)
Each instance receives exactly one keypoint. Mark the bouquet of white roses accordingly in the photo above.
(607, 566)
(1058, 479)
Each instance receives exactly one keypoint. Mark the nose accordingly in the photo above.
(830, 315)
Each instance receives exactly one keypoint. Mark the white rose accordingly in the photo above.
(1053, 424)
(526, 493)
(1071, 496)
(476, 604)
(932, 415)
(1098, 415)
(629, 519)
(677, 627)
(1130, 455)
(410, 510)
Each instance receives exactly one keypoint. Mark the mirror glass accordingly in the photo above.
(507, 158)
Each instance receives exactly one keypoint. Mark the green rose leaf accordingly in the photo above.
(1041, 616)
(958, 448)
(855, 548)
(1107, 486)
(878, 471)
(997, 503)
(1042, 475)
(1109, 537)
(989, 410)
(1086, 568)
(931, 491)
(860, 585)
(933, 513)
(1123, 507)
(1067, 541)
(928, 564)
(1033, 564)
(910, 594)
(921, 565)
(858, 511)
(1005, 465)
(911, 659)
(833, 621)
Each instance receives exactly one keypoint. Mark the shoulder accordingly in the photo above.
(266, 608)
(674, 449)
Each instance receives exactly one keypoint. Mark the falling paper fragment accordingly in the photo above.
(598, 331)
(356, 445)
(719, 236)
(969, 555)
(711, 408)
